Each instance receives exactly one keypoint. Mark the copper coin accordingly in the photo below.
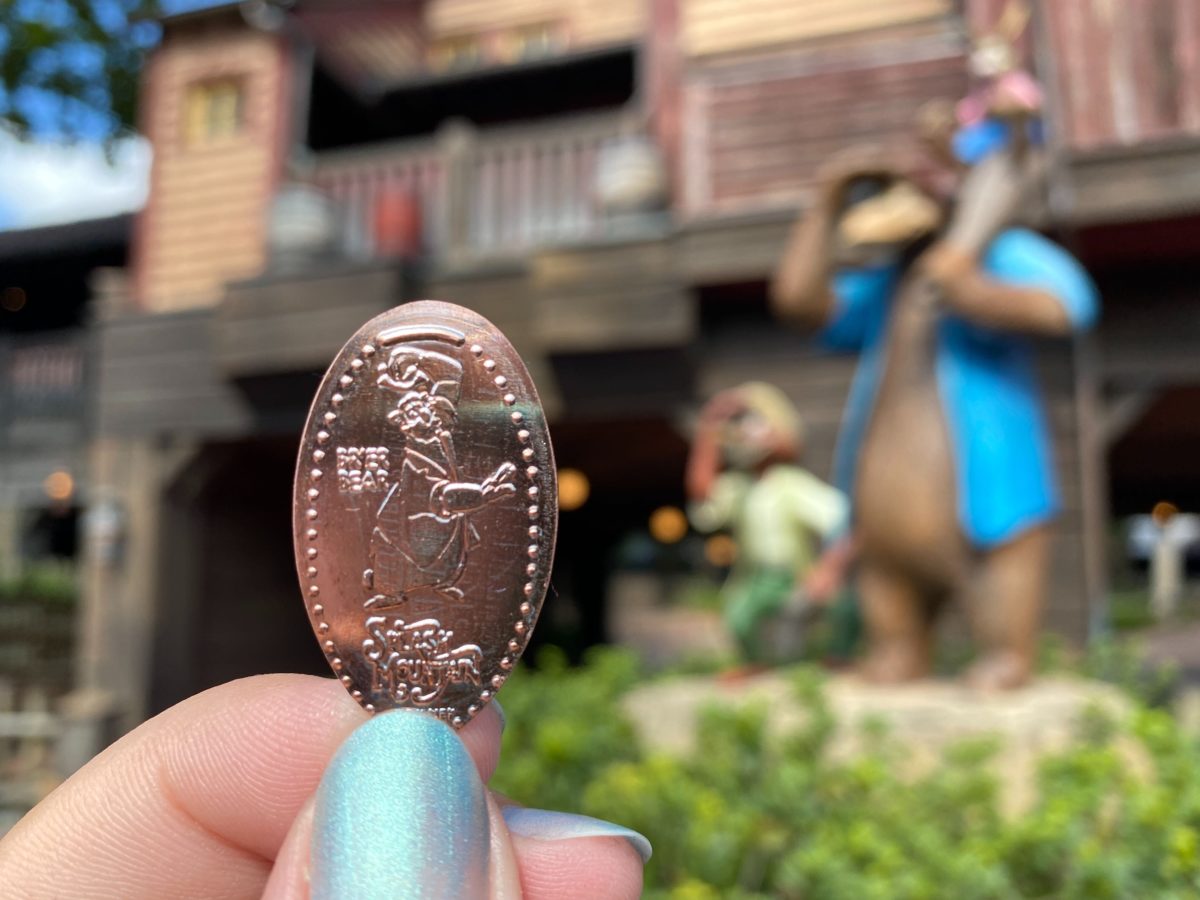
(425, 511)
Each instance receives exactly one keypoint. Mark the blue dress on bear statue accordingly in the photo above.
(1002, 450)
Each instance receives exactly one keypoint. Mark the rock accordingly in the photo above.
(924, 719)
(663, 634)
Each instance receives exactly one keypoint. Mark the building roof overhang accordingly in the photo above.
(110, 232)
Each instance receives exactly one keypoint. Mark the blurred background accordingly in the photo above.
(199, 202)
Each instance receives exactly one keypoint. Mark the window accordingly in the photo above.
(536, 41)
(455, 54)
(214, 111)
(527, 42)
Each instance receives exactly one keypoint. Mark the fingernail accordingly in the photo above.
(547, 825)
(500, 713)
(400, 813)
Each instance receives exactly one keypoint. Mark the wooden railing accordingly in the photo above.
(36, 642)
(29, 731)
(42, 376)
(356, 178)
(486, 192)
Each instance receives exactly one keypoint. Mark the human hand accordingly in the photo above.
(950, 268)
(822, 583)
(990, 198)
(722, 407)
(828, 574)
(281, 787)
(500, 482)
(857, 162)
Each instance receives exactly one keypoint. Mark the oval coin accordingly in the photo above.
(425, 511)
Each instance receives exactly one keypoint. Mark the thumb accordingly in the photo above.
(290, 875)
(400, 813)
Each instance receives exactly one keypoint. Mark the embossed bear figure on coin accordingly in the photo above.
(423, 531)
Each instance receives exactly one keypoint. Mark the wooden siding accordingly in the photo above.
(611, 294)
(159, 375)
(1132, 183)
(733, 249)
(1125, 71)
(723, 26)
(588, 23)
(182, 373)
(756, 130)
(362, 44)
(292, 322)
(502, 294)
(206, 218)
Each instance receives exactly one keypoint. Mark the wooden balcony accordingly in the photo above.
(42, 389)
(484, 193)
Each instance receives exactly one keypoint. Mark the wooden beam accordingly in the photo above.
(1124, 412)
(293, 323)
(1093, 483)
(1149, 180)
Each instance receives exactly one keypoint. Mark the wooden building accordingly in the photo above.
(611, 182)
(47, 276)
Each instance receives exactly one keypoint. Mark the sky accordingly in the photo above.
(47, 181)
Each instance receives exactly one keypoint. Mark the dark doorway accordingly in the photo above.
(230, 603)
(632, 466)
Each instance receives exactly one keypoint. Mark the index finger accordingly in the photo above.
(197, 801)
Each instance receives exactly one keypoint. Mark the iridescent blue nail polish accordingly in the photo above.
(400, 815)
(547, 825)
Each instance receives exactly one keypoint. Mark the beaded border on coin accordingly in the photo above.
(537, 551)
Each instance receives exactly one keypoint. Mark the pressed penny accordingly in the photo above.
(425, 511)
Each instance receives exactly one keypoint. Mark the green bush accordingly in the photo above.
(747, 817)
(49, 583)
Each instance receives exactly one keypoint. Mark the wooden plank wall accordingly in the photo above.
(1125, 70)
(280, 324)
(589, 23)
(382, 42)
(723, 26)
(503, 294)
(757, 129)
(206, 217)
(160, 375)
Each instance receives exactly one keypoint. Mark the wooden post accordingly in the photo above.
(1093, 482)
(1166, 574)
(662, 77)
(9, 508)
(457, 139)
(123, 580)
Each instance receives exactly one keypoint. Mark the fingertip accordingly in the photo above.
(588, 868)
(549, 825)
(401, 812)
(481, 736)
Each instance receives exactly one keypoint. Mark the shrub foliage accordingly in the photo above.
(744, 816)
